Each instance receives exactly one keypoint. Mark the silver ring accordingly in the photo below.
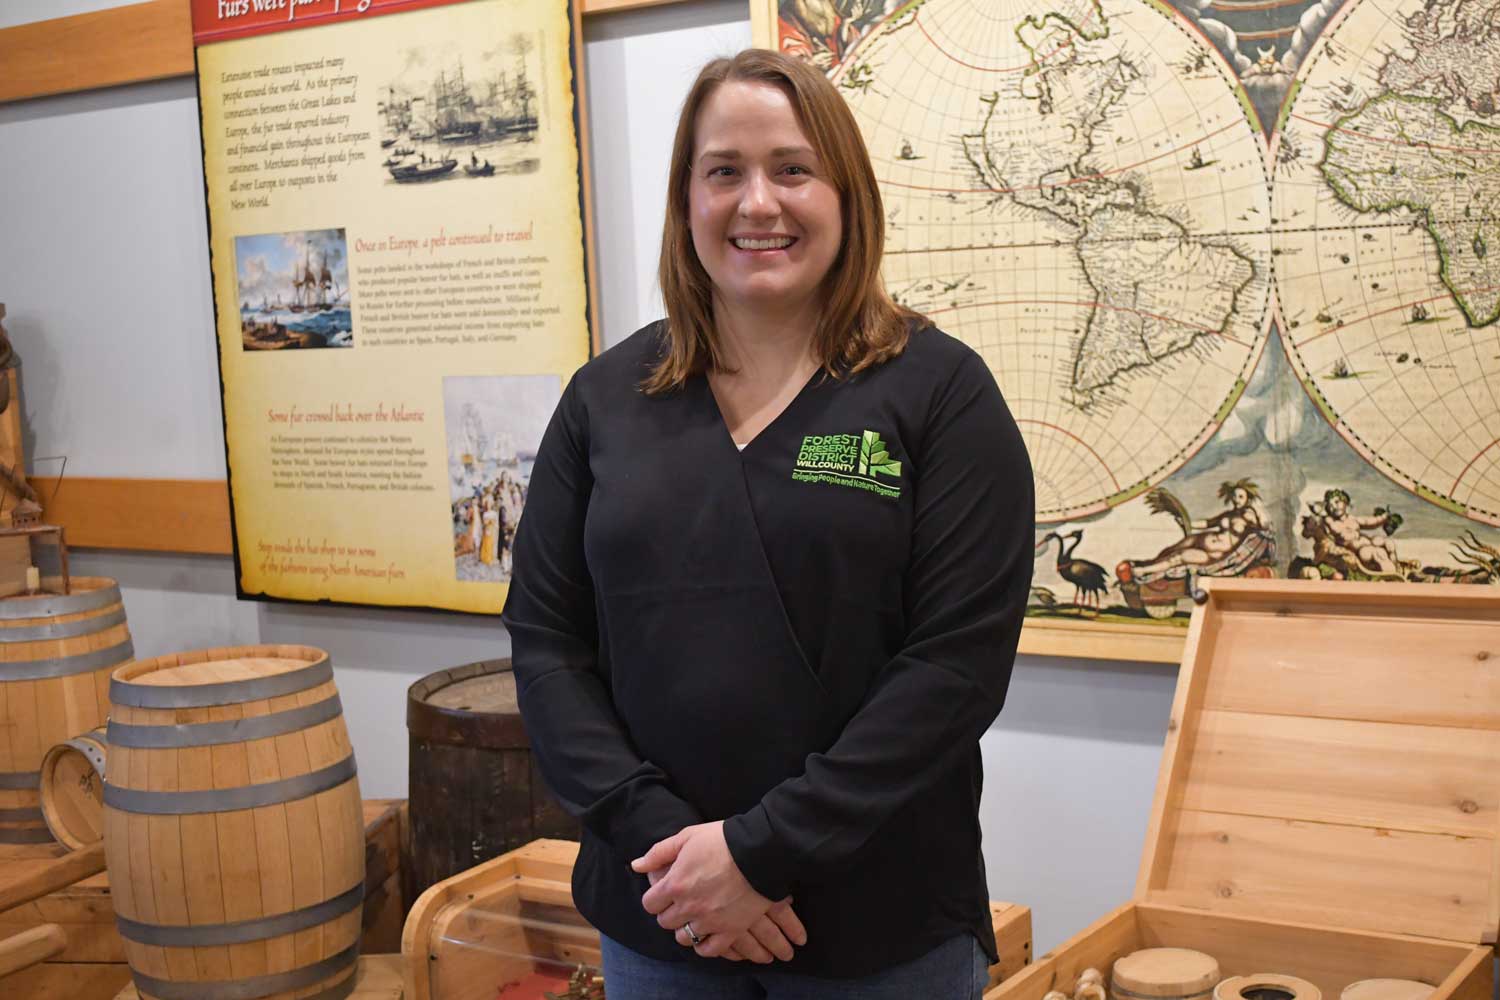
(692, 935)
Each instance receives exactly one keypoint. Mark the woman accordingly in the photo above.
(768, 586)
(490, 520)
(476, 529)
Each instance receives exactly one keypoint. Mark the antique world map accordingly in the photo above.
(1234, 265)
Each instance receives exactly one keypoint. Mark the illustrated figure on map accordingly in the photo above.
(1345, 546)
(1211, 547)
(823, 31)
(1233, 542)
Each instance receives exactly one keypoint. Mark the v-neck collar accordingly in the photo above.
(713, 402)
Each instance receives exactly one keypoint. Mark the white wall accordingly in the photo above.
(104, 269)
(13, 12)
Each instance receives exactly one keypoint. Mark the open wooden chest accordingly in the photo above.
(1328, 805)
(507, 930)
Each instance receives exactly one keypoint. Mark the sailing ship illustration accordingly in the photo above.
(310, 288)
(510, 107)
(456, 116)
(1197, 162)
(396, 112)
(499, 105)
(421, 124)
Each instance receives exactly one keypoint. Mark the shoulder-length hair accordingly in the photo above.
(860, 325)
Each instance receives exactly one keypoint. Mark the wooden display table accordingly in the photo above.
(377, 978)
(1328, 806)
(92, 967)
(509, 925)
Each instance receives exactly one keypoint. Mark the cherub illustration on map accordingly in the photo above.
(1345, 544)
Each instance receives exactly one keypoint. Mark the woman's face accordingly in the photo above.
(764, 215)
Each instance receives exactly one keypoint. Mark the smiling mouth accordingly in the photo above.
(775, 243)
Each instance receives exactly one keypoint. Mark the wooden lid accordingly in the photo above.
(219, 671)
(1387, 989)
(485, 693)
(225, 676)
(1333, 758)
(471, 705)
(1266, 986)
(1164, 972)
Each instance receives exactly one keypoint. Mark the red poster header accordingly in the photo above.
(219, 20)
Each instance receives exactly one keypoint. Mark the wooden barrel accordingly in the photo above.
(232, 826)
(474, 788)
(73, 789)
(56, 654)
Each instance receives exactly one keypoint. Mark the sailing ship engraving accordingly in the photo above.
(485, 102)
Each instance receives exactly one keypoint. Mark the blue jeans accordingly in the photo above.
(957, 969)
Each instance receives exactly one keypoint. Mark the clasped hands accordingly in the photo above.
(694, 879)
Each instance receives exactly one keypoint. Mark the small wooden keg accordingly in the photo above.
(233, 828)
(73, 789)
(475, 790)
(56, 654)
(1164, 974)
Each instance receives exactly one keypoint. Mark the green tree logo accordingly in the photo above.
(873, 457)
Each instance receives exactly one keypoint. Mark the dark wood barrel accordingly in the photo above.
(475, 790)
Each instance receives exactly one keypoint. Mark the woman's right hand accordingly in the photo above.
(772, 937)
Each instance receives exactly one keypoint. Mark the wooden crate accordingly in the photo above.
(379, 977)
(1328, 804)
(511, 920)
(93, 965)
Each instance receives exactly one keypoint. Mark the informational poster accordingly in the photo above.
(396, 205)
(1229, 263)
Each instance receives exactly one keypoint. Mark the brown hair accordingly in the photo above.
(860, 324)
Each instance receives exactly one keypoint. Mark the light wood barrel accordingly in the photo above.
(56, 654)
(233, 826)
(73, 789)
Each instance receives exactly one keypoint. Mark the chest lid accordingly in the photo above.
(1333, 757)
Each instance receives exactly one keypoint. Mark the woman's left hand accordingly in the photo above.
(702, 885)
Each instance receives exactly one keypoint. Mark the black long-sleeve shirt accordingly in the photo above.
(805, 639)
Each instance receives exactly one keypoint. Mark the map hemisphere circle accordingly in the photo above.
(1080, 194)
(1387, 302)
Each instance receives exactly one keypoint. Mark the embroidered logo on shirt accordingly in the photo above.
(856, 460)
